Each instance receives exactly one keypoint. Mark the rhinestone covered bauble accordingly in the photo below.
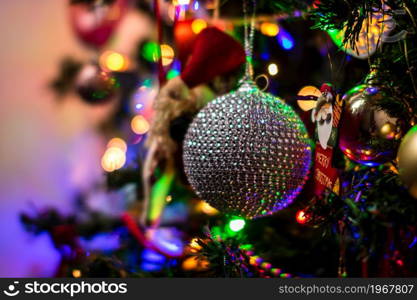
(247, 153)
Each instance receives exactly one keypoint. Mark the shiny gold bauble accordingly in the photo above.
(407, 160)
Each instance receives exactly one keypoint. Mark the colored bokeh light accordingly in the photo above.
(269, 28)
(167, 54)
(237, 225)
(117, 143)
(139, 125)
(113, 61)
(181, 2)
(198, 25)
(113, 159)
(301, 217)
(150, 51)
(207, 208)
(307, 97)
(273, 69)
(285, 40)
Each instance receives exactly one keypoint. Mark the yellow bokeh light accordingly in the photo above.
(167, 54)
(307, 97)
(113, 159)
(273, 69)
(198, 25)
(269, 29)
(194, 244)
(207, 208)
(113, 61)
(190, 263)
(180, 2)
(195, 263)
(76, 273)
(117, 143)
(139, 125)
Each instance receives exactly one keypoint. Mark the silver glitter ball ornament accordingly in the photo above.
(247, 153)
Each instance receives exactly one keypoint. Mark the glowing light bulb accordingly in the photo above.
(287, 44)
(113, 159)
(167, 54)
(117, 143)
(76, 273)
(181, 2)
(139, 125)
(207, 208)
(198, 25)
(237, 225)
(269, 29)
(113, 61)
(307, 97)
(301, 217)
(273, 69)
(194, 244)
(150, 51)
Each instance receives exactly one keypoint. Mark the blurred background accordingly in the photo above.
(55, 154)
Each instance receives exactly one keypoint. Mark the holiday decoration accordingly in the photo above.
(95, 22)
(307, 97)
(247, 153)
(370, 37)
(326, 116)
(134, 212)
(94, 85)
(407, 160)
(326, 106)
(364, 124)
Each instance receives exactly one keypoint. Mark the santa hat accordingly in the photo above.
(326, 87)
(214, 53)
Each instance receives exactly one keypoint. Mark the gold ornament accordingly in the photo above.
(407, 160)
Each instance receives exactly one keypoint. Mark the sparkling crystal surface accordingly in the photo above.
(247, 153)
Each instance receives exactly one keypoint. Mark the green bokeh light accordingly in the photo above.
(236, 225)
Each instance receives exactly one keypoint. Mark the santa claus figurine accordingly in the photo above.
(213, 68)
(326, 115)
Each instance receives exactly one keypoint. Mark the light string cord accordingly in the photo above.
(249, 33)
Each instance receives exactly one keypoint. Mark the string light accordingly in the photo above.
(181, 2)
(150, 51)
(273, 69)
(113, 159)
(139, 125)
(167, 54)
(194, 245)
(207, 208)
(198, 25)
(301, 217)
(76, 273)
(307, 97)
(269, 29)
(237, 225)
(285, 40)
(113, 61)
(117, 143)
(172, 74)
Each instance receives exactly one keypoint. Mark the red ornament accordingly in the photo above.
(95, 23)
